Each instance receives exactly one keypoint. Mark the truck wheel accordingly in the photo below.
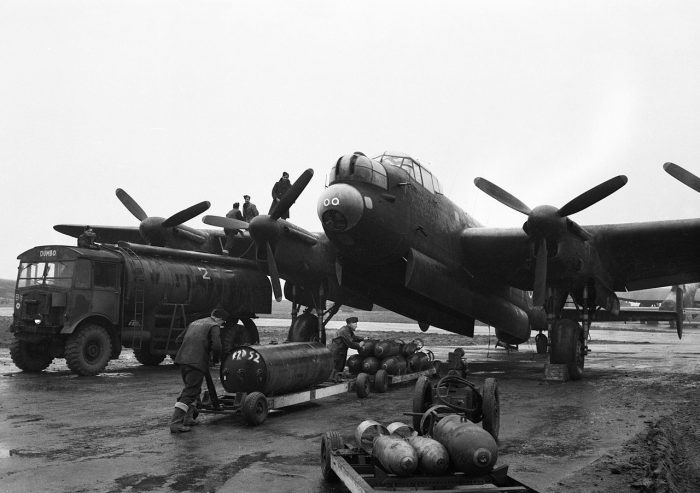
(331, 441)
(30, 357)
(255, 408)
(88, 350)
(491, 407)
(146, 357)
(362, 385)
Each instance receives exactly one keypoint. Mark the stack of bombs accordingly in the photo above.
(392, 355)
(456, 444)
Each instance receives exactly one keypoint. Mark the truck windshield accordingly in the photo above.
(45, 273)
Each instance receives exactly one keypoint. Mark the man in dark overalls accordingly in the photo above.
(198, 341)
(345, 338)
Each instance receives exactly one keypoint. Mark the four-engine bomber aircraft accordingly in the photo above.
(393, 238)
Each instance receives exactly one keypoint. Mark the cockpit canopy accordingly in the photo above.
(358, 167)
(414, 169)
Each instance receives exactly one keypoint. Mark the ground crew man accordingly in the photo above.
(198, 341)
(249, 209)
(87, 238)
(345, 338)
(278, 190)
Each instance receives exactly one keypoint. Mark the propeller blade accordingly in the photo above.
(186, 214)
(131, 205)
(540, 283)
(501, 195)
(274, 275)
(292, 194)
(224, 222)
(683, 176)
(595, 194)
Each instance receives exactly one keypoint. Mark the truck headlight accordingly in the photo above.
(37, 319)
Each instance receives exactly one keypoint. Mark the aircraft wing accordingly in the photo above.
(635, 255)
(105, 234)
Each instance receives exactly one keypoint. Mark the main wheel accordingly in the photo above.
(567, 347)
(304, 328)
(146, 357)
(30, 357)
(422, 399)
(362, 385)
(541, 343)
(88, 350)
(381, 381)
(245, 334)
(255, 408)
(491, 409)
(331, 441)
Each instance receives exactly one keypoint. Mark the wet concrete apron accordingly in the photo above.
(109, 433)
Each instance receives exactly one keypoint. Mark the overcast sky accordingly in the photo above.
(183, 101)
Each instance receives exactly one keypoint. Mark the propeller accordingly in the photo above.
(266, 229)
(153, 228)
(547, 223)
(683, 176)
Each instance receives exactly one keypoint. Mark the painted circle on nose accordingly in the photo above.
(340, 207)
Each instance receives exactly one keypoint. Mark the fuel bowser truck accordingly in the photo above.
(84, 304)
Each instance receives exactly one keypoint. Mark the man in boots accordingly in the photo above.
(198, 341)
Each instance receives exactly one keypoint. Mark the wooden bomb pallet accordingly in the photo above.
(361, 473)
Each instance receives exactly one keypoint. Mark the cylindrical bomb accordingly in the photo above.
(386, 348)
(395, 454)
(432, 455)
(366, 432)
(355, 364)
(411, 347)
(419, 361)
(370, 365)
(367, 349)
(472, 449)
(394, 365)
(400, 429)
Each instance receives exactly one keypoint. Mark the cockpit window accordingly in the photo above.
(414, 169)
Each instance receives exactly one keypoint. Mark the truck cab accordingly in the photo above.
(67, 303)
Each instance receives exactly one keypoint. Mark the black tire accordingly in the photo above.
(491, 408)
(30, 357)
(255, 408)
(541, 343)
(146, 357)
(381, 381)
(245, 334)
(331, 441)
(362, 385)
(88, 350)
(567, 347)
(422, 399)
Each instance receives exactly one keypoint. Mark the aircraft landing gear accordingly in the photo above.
(541, 343)
(568, 347)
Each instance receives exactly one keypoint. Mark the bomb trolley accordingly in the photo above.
(258, 379)
(360, 472)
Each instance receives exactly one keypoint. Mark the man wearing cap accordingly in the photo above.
(345, 338)
(249, 209)
(278, 190)
(87, 238)
(198, 341)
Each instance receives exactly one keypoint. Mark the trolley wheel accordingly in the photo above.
(422, 399)
(331, 441)
(255, 408)
(362, 385)
(491, 407)
(381, 381)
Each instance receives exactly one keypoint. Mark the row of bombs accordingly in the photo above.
(456, 444)
(392, 355)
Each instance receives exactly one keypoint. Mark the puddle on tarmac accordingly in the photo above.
(116, 375)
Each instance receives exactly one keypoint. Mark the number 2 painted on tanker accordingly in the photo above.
(205, 273)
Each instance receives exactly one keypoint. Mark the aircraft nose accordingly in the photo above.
(340, 208)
